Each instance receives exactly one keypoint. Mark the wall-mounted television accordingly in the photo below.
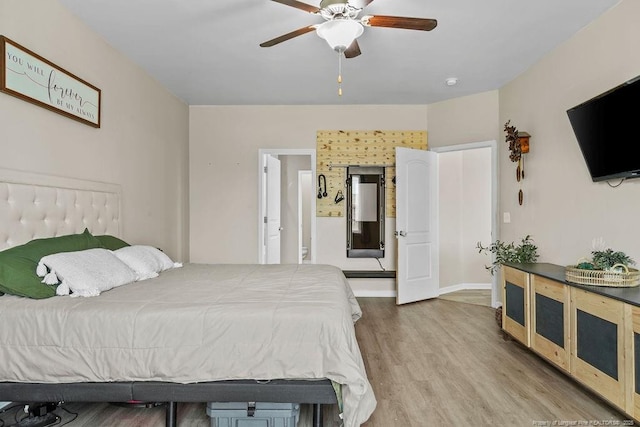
(607, 131)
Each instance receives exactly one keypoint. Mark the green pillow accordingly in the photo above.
(111, 242)
(18, 264)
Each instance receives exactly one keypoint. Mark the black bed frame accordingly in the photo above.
(316, 392)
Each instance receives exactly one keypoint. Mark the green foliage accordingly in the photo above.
(606, 259)
(585, 265)
(525, 252)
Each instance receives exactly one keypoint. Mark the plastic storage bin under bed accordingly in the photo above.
(253, 414)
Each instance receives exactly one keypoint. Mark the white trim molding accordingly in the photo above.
(363, 293)
(465, 287)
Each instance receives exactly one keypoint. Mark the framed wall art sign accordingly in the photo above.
(30, 77)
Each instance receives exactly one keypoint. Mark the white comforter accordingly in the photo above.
(192, 324)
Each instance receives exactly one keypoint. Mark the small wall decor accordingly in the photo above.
(518, 145)
(28, 76)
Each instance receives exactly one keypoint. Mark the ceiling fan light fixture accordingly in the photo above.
(340, 33)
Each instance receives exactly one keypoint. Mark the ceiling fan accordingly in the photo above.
(342, 26)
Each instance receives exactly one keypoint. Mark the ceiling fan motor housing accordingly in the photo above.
(338, 9)
(326, 3)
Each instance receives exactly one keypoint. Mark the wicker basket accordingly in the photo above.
(626, 279)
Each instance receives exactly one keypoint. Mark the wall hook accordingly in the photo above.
(322, 186)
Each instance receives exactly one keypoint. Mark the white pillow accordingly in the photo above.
(146, 261)
(84, 273)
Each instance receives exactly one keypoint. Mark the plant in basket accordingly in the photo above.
(606, 259)
(611, 260)
(605, 268)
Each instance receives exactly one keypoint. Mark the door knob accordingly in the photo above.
(400, 233)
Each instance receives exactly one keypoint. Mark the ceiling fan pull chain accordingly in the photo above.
(339, 73)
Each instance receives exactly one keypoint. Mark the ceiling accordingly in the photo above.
(206, 52)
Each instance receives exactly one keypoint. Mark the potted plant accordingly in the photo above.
(525, 252)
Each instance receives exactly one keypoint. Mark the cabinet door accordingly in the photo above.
(550, 320)
(597, 347)
(633, 356)
(515, 301)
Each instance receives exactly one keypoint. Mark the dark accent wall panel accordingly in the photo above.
(597, 343)
(550, 319)
(515, 302)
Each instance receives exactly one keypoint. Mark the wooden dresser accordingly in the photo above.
(591, 333)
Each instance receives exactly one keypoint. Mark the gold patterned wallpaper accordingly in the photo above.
(337, 149)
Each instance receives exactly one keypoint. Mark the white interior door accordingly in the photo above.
(272, 220)
(417, 225)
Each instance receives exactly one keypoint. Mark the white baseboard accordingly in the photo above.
(446, 290)
(374, 293)
(464, 286)
(388, 293)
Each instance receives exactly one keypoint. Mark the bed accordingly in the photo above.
(195, 333)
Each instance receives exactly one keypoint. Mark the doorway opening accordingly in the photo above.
(294, 233)
(469, 197)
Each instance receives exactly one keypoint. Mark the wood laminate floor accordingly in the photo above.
(470, 296)
(432, 363)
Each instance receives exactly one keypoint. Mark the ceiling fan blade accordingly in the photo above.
(421, 24)
(299, 5)
(353, 50)
(288, 36)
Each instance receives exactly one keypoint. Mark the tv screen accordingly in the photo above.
(605, 127)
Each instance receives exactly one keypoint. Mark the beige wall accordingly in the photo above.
(473, 118)
(465, 216)
(476, 214)
(450, 181)
(290, 165)
(142, 144)
(224, 144)
(563, 209)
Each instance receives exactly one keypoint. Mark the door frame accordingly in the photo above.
(262, 153)
(493, 145)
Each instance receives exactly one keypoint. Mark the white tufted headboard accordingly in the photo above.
(35, 206)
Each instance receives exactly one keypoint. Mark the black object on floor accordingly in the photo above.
(40, 421)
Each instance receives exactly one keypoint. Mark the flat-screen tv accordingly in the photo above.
(608, 132)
